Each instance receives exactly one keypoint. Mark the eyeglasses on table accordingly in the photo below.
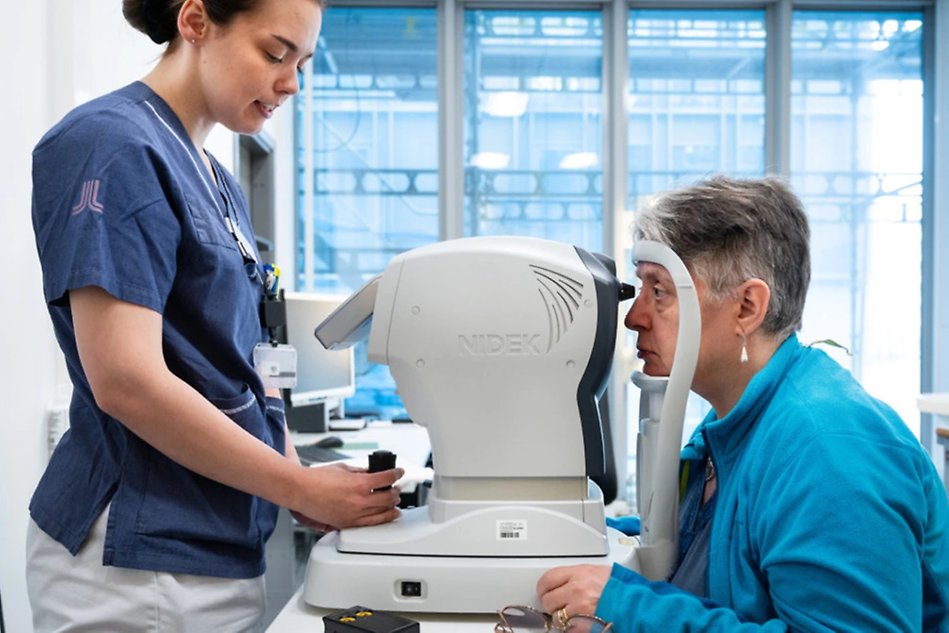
(522, 619)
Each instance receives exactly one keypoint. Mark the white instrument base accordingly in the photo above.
(437, 584)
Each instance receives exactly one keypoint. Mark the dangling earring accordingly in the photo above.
(744, 349)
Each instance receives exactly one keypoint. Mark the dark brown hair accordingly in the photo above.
(158, 19)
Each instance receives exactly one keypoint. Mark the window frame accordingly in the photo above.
(934, 340)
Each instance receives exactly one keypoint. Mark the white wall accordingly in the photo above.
(58, 53)
(28, 370)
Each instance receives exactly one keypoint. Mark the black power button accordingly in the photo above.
(411, 589)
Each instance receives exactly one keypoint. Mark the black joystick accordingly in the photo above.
(381, 460)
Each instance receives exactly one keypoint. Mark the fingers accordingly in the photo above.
(375, 507)
(313, 524)
(552, 588)
(576, 588)
(555, 599)
(384, 478)
(383, 499)
(552, 579)
(380, 479)
(377, 519)
(341, 497)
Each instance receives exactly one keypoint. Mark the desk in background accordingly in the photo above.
(409, 441)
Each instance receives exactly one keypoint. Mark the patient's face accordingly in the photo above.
(654, 316)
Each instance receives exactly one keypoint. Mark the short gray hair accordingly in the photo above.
(728, 231)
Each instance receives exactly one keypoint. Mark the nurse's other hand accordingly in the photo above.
(576, 588)
(306, 521)
(340, 496)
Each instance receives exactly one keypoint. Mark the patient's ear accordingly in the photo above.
(754, 296)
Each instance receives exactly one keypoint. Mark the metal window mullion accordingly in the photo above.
(777, 112)
(615, 196)
(829, 5)
(309, 180)
(934, 334)
(560, 5)
(615, 127)
(862, 5)
(451, 172)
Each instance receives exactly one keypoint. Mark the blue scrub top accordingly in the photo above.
(122, 201)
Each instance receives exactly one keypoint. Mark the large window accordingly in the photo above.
(533, 97)
(696, 106)
(367, 159)
(856, 160)
(392, 155)
(696, 97)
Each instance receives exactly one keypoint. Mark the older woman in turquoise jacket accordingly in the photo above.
(808, 505)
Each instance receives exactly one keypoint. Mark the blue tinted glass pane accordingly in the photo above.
(856, 156)
(367, 159)
(696, 96)
(532, 125)
(696, 107)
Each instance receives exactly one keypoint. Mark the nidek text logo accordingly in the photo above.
(499, 344)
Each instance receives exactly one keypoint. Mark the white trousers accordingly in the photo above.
(79, 594)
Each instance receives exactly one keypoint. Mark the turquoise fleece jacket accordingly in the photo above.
(830, 516)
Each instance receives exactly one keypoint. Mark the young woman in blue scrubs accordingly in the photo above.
(808, 505)
(154, 510)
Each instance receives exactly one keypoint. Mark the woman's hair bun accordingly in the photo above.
(154, 18)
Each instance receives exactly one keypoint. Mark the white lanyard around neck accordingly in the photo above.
(246, 251)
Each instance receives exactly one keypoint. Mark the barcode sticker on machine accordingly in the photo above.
(512, 530)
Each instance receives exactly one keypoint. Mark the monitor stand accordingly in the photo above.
(308, 418)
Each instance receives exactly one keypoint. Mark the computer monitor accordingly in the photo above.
(323, 376)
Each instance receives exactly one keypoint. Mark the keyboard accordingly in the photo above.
(313, 454)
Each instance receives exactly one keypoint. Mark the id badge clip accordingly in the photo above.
(276, 364)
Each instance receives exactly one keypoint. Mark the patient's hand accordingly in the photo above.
(576, 588)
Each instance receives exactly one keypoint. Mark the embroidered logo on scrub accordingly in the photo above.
(89, 199)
